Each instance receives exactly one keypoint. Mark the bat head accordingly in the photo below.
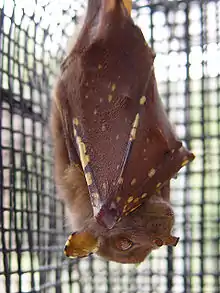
(132, 238)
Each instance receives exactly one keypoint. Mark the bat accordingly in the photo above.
(115, 150)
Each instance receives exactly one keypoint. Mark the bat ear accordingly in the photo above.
(80, 245)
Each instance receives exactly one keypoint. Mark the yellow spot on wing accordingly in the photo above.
(83, 146)
(87, 158)
(144, 195)
(133, 181)
(84, 160)
(88, 178)
(95, 196)
(136, 121)
(142, 100)
(82, 152)
(134, 127)
(125, 208)
(110, 98)
(158, 185)
(133, 209)
(136, 200)
(151, 173)
(113, 87)
(118, 198)
(78, 140)
(120, 180)
(130, 199)
(133, 134)
(76, 121)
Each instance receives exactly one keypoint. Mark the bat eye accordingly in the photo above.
(124, 244)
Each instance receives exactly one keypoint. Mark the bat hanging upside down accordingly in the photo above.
(115, 150)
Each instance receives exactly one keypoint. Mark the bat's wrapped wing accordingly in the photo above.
(115, 124)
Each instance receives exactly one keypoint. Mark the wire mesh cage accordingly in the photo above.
(33, 37)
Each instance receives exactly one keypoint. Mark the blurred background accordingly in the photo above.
(33, 37)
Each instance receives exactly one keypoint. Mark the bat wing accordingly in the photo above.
(153, 156)
(114, 119)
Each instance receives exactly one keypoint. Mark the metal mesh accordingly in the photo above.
(33, 36)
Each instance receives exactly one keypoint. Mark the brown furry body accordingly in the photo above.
(155, 217)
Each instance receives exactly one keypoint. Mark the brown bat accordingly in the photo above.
(115, 150)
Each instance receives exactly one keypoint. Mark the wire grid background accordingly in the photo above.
(33, 37)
